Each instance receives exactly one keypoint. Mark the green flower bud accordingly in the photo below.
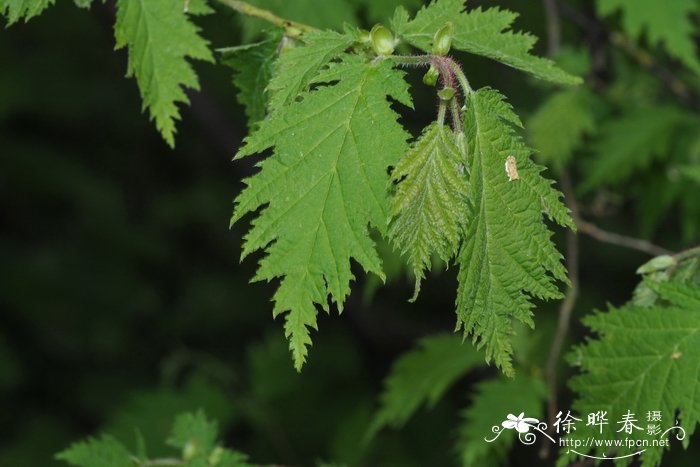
(363, 36)
(446, 94)
(442, 40)
(431, 76)
(189, 450)
(215, 456)
(382, 40)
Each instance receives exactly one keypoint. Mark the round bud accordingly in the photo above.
(446, 94)
(215, 456)
(382, 40)
(189, 450)
(431, 76)
(442, 40)
(363, 36)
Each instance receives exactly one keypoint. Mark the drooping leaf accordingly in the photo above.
(323, 186)
(160, 38)
(253, 69)
(480, 32)
(645, 358)
(421, 377)
(296, 68)
(492, 401)
(15, 10)
(667, 23)
(559, 125)
(428, 208)
(631, 142)
(507, 257)
(97, 452)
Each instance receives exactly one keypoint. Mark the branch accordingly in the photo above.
(565, 310)
(553, 27)
(633, 243)
(641, 56)
(292, 28)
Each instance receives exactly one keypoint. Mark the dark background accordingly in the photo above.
(122, 298)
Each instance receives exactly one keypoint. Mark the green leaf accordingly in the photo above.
(630, 143)
(479, 32)
(422, 376)
(160, 38)
(15, 10)
(558, 127)
(97, 452)
(644, 359)
(667, 23)
(253, 66)
(324, 184)
(296, 68)
(492, 401)
(194, 435)
(508, 256)
(428, 208)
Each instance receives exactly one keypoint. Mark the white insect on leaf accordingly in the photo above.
(511, 169)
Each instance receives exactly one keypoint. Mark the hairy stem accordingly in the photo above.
(292, 28)
(690, 253)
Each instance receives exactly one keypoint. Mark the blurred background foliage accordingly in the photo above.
(123, 302)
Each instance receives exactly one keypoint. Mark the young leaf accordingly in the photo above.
(631, 142)
(558, 127)
(422, 376)
(296, 68)
(97, 452)
(428, 208)
(493, 399)
(668, 23)
(479, 32)
(253, 65)
(160, 39)
(324, 184)
(194, 435)
(508, 256)
(15, 10)
(645, 359)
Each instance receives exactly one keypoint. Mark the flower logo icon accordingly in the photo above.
(521, 423)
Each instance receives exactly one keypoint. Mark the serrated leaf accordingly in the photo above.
(428, 208)
(630, 143)
(97, 452)
(421, 377)
(644, 359)
(323, 186)
(480, 32)
(15, 10)
(559, 125)
(296, 68)
(667, 23)
(253, 69)
(492, 400)
(194, 434)
(160, 39)
(508, 256)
